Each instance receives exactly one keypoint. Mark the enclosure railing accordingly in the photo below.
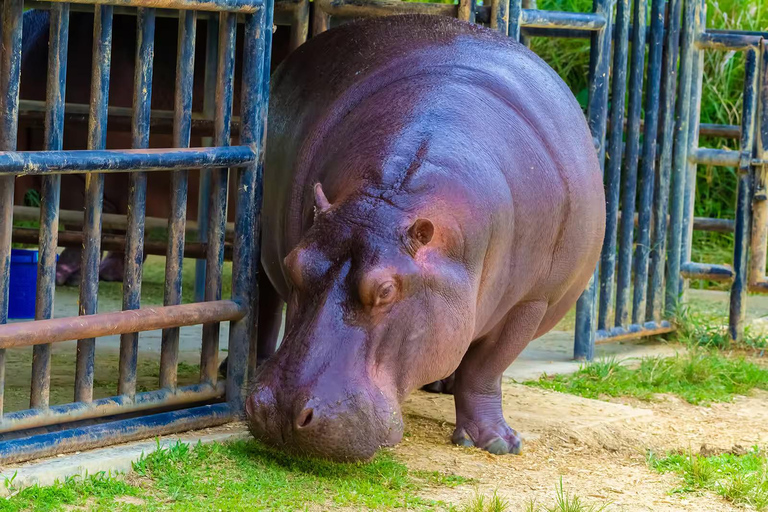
(44, 429)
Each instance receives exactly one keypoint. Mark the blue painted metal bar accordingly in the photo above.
(241, 6)
(567, 20)
(586, 307)
(218, 212)
(209, 111)
(467, 10)
(633, 331)
(671, 132)
(715, 157)
(94, 197)
(646, 180)
(106, 407)
(515, 19)
(693, 142)
(121, 160)
(629, 178)
(10, 72)
(49, 199)
(500, 16)
(743, 202)
(691, 270)
(731, 40)
(137, 196)
(95, 436)
(615, 153)
(182, 129)
(245, 254)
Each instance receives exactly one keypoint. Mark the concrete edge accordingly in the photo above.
(112, 461)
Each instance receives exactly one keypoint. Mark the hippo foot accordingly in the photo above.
(67, 275)
(498, 439)
(444, 386)
(112, 267)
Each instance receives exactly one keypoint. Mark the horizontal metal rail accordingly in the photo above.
(717, 157)
(96, 436)
(109, 221)
(114, 160)
(727, 41)
(633, 331)
(58, 414)
(24, 334)
(111, 242)
(562, 20)
(242, 6)
(711, 272)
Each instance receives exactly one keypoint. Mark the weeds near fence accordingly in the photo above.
(564, 502)
(700, 377)
(741, 478)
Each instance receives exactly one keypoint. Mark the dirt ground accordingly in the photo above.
(598, 448)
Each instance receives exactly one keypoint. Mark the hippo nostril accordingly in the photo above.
(305, 418)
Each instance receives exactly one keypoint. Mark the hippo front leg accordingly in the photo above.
(477, 388)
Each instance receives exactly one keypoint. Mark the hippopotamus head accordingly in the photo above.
(377, 308)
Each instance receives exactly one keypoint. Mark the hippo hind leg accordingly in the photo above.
(270, 320)
(444, 386)
(477, 388)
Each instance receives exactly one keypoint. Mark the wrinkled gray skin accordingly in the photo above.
(432, 203)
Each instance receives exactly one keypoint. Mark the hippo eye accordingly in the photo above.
(385, 293)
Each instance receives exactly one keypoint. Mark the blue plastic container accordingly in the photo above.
(23, 284)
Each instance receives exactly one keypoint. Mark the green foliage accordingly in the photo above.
(739, 478)
(241, 475)
(699, 377)
(698, 328)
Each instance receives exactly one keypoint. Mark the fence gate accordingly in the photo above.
(46, 429)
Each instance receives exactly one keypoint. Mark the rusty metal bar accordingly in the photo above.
(185, 66)
(137, 196)
(111, 242)
(24, 334)
(299, 24)
(10, 73)
(218, 209)
(634, 331)
(368, 8)
(105, 407)
(499, 16)
(242, 6)
(711, 272)
(95, 436)
(727, 41)
(467, 10)
(94, 197)
(716, 157)
(759, 241)
(515, 19)
(48, 213)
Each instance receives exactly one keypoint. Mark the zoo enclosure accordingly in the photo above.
(651, 145)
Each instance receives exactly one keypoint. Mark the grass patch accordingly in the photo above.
(234, 476)
(699, 377)
(563, 502)
(703, 328)
(739, 478)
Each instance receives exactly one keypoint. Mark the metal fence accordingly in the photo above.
(647, 57)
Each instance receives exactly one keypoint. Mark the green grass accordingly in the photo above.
(239, 476)
(564, 502)
(700, 377)
(739, 478)
(698, 327)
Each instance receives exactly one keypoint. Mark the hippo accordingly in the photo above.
(433, 202)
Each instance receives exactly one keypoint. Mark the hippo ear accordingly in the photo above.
(321, 202)
(421, 232)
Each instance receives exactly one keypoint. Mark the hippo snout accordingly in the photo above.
(347, 428)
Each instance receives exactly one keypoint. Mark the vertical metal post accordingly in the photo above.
(526, 4)
(693, 138)
(137, 196)
(10, 73)
(629, 178)
(584, 343)
(218, 212)
(680, 166)
(245, 256)
(182, 130)
(300, 25)
(94, 196)
(321, 20)
(49, 199)
(615, 153)
(204, 188)
(647, 178)
(500, 16)
(669, 139)
(515, 19)
(743, 202)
